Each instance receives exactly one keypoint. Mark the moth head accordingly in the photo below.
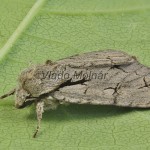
(21, 97)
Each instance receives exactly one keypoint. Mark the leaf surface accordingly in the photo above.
(35, 31)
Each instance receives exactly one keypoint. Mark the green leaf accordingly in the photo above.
(34, 31)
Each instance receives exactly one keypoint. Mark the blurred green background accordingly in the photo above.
(34, 31)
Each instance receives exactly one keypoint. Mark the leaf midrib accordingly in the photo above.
(21, 27)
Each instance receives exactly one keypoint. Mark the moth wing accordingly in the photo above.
(98, 95)
(85, 94)
(134, 98)
(99, 58)
(133, 90)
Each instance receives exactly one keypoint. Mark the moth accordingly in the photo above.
(106, 77)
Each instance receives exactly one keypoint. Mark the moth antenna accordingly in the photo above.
(39, 112)
(8, 94)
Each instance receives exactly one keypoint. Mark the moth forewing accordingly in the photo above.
(124, 85)
(98, 58)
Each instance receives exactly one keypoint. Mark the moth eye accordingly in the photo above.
(23, 97)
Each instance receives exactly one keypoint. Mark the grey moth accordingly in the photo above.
(106, 77)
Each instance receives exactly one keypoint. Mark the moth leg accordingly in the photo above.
(39, 112)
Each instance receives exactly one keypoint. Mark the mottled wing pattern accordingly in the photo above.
(98, 58)
(126, 84)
